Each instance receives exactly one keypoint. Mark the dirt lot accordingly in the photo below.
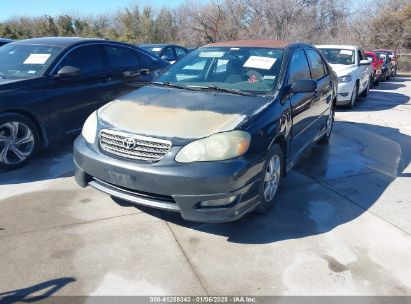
(341, 226)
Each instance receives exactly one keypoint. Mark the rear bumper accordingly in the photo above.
(172, 186)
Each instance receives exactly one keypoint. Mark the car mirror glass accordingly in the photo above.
(68, 71)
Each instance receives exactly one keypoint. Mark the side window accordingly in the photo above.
(317, 65)
(122, 57)
(180, 52)
(361, 56)
(88, 59)
(168, 54)
(146, 61)
(299, 68)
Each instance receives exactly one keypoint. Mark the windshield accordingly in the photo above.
(26, 61)
(339, 56)
(382, 56)
(152, 49)
(241, 69)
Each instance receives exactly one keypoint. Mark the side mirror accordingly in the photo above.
(365, 62)
(303, 86)
(68, 71)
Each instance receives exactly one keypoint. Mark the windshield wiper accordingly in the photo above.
(216, 88)
(168, 84)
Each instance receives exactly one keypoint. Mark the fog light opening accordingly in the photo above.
(221, 202)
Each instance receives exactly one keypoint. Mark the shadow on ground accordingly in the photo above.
(379, 98)
(55, 162)
(35, 293)
(370, 156)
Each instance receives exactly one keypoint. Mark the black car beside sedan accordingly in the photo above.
(214, 134)
(49, 86)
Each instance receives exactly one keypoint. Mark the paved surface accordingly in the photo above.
(342, 225)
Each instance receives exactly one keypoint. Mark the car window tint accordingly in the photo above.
(317, 65)
(180, 52)
(168, 54)
(87, 58)
(122, 57)
(299, 68)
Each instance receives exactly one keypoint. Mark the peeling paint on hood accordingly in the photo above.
(174, 113)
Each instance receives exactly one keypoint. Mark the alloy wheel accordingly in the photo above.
(16, 143)
(272, 177)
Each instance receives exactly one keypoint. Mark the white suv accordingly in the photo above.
(353, 70)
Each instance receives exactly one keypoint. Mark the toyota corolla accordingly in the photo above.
(212, 136)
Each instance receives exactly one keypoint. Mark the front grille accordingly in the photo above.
(142, 148)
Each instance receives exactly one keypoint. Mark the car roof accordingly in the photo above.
(337, 46)
(153, 45)
(60, 41)
(383, 50)
(5, 40)
(254, 43)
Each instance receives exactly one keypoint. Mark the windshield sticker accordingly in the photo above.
(269, 77)
(156, 49)
(346, 52)
(37, 59)
(211, 54)
(258, 62)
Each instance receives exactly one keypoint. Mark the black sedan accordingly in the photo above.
(4, 41)
(48, 87)
(169, 52)
(212, 136)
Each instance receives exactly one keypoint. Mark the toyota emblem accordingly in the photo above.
(129, 143)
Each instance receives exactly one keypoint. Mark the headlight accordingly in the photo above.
(90, 128)
(346, 78)
(219, 146)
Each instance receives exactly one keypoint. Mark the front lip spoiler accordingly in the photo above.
(130, 197)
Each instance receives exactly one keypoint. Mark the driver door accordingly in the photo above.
(71, 100)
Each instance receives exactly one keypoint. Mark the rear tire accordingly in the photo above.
(366, 91)
(19, 140)
(270, 178)
(325, 139)
(377, 82)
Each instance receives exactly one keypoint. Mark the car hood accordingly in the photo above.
(177, 113)
(343, 69)
(11, 84)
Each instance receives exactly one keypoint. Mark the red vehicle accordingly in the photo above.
(376, 64)
(394, 59)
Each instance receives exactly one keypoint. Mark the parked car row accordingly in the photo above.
(209, 136)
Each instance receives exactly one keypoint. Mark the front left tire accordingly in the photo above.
(19, 140)
(270, 178)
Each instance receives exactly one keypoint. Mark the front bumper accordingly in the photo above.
(345, 90)
(170, 185)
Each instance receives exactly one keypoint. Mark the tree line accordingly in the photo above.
(373, 23)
